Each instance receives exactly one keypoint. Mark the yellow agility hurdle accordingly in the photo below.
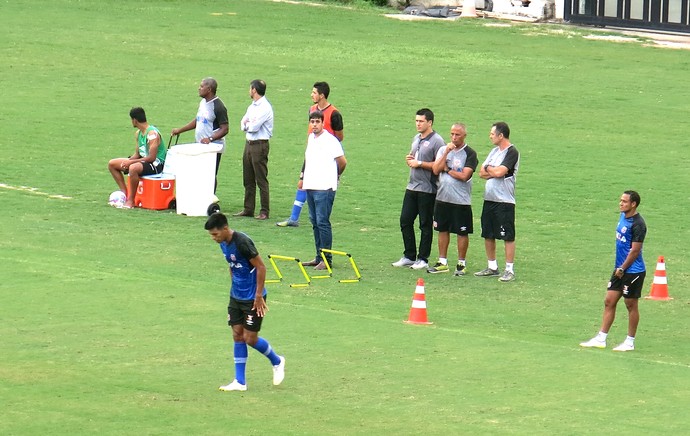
(272, 259)
(358, 276)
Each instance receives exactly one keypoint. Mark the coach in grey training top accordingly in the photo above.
(498, 213)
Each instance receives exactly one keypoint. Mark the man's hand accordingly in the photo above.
(411, 161)
(619, 272)
(260, 306)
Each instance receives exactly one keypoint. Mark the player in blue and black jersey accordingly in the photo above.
(247, 305)
(628, 274)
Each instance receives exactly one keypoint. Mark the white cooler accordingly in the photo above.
(194, 167)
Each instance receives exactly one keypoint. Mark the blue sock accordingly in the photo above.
(300, 198)
(263, 347)
(240, 362)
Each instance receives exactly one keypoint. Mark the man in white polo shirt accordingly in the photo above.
(324, 162)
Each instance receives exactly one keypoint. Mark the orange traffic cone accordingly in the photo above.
(659, 286)
(418, 310)
(469, 9)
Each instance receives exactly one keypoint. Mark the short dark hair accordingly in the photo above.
(427, 114)
(211, 83)
(502, 128)
(259, 86)
(138, 114)
(322, 88)
(634, 197)
(216, 221)
(316, 115)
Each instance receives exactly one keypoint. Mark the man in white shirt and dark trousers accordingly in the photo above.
(257, 122)
(324, 162)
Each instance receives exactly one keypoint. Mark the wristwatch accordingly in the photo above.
(419, 164)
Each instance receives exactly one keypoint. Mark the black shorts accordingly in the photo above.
(150, 169)
(629, 284)
(240, 312)
(453, 218)
(498, 221)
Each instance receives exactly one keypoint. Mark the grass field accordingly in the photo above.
(113, 321)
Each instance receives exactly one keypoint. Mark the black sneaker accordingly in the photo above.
(459, 270)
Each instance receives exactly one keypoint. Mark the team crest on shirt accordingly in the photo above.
(624, 229)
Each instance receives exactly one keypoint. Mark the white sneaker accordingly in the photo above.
(233, 386)
(420, 264)
(279, 372)
(403, 262)
(593, 343)
(625, 347)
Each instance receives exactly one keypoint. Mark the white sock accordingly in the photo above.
(630, 340)
(443, 260)
(461, 262)
(493, 264)
(509, 267)
(601, 336)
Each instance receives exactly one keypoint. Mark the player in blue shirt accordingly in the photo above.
(247, 305)
(629, 273)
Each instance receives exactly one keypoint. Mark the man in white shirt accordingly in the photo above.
(324, 162)
(211, 122)
(257, 123)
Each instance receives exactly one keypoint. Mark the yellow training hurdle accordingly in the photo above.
(272, 259)
(358, 276)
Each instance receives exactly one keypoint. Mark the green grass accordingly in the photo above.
(113, 321)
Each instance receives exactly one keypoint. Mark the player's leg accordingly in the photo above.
(463, 245)
(426, 203)
(507, 219)
(115, 168)
(633, 283)
(443, 243)
(489, 232)
(408, 214)
(297, 205)
(240, 353)
(135, 171)
(236, 321)
(252, 327)
(614, 292)
(610, 303)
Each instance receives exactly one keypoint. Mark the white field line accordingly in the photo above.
(34, 191)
